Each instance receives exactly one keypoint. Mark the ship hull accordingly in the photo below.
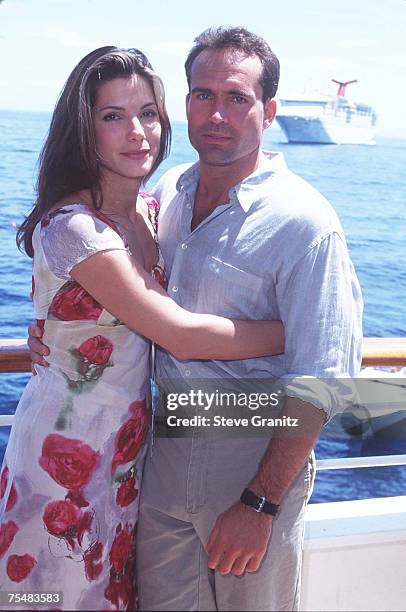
(320, 130)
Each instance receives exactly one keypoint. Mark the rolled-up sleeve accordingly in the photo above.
(321, 304)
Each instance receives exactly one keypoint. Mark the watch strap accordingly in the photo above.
(258, 503)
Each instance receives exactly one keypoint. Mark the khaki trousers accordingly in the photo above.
(187, 484)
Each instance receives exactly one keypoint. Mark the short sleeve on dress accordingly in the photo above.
(74, 234)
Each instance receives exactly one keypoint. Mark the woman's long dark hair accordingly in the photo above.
(68, 161)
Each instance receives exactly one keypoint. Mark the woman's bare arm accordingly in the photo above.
(126, 290)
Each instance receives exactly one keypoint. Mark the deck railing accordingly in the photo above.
(15, 357)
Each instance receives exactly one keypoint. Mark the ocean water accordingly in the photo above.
(367, 187)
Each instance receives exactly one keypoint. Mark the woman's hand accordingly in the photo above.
(37, 348)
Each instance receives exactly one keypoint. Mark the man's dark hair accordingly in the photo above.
(244, 41)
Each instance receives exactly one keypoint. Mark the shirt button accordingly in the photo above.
(188, 205)
(184, 246)
(187, 372)
(175, 288)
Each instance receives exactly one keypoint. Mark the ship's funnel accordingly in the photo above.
(342, 86)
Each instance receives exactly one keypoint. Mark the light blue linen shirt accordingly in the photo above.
(276, 250)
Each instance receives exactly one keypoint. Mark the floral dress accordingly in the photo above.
(70, 480)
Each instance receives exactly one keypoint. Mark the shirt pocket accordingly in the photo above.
(227, 290)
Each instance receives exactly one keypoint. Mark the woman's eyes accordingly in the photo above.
(111, 117)
(148, 114)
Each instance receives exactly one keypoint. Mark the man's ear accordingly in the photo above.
(269, 112)
(187, 105)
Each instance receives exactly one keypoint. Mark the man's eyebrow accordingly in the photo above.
(201, 90)
(231, 92)
(239, 92)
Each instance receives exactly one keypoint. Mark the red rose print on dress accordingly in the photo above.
(68, 461)
(73, 303)
(127, 493)
(19, 566)
(131, 435)
(65, 520)
(96, 350)
(62, 517)
(77, 498)
(112, 592)
(7, 533)
(120, 589)
(157, 272)
(3, 481)
(121, 548)
(159, 275)
(84, 526)
(153, 209)
(12, 498)
(93, 562)
(92, 358)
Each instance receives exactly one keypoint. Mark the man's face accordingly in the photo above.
(224, 108)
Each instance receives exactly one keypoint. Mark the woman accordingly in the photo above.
(71, 476)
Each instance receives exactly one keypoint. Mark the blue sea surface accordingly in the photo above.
(367, 187)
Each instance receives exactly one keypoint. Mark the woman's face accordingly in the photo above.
(127, 127)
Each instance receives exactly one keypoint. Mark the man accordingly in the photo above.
(242, 236)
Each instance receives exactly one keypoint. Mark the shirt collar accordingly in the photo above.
(189, 178)
(247, 190)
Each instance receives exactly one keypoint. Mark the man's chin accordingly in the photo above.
(216, 158)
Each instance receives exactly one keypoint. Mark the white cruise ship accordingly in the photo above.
(322, 119)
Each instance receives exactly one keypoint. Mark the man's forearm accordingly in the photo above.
(288, 450)
(239, 538)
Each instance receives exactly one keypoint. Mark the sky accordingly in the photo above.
(315, 40)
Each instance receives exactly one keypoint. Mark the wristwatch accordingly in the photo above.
(258, 503)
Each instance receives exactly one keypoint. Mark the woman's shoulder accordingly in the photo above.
(76, 215)
(76, 204)
(62, 211)
(79, 228)
(73, 232)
